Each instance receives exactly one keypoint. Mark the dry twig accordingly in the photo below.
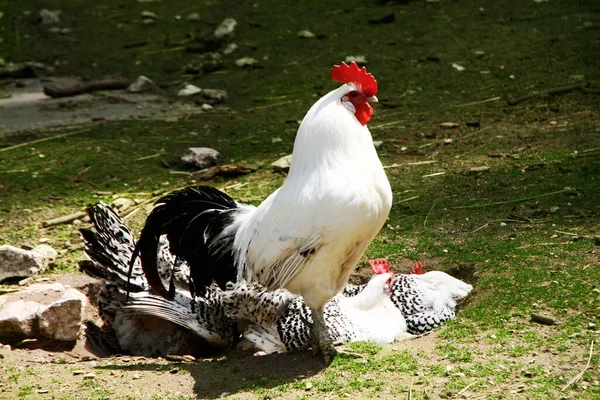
(87, 87)
(587, 365)
(65, 219)
(16, 146)
(580, 86)
(514, 200)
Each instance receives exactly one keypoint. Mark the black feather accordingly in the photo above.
(189, 217)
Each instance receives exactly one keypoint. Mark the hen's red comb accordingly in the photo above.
(380, 266)
(351, 73)
(417, 269)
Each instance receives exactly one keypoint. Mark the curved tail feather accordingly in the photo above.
(186, 217)
(110, 247)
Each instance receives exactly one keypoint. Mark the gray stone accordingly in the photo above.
(122, 204)
(283, 164)
(49, 17)
(246, 62)
(46, 252)
(201, 157)
(18, 319)
(360, 60)
(189, 90)
(193, 17)
(43, 311)
(230, 48)
(61, 320)
(15, 262)
(226, 29)
(217, 95)
(148, 14)
(306, 34)
(141, 84)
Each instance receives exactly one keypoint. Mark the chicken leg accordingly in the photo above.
(319, 336)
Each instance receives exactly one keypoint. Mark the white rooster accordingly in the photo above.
(308, 235)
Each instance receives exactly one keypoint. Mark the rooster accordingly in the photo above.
(389, 307)
(308, 235)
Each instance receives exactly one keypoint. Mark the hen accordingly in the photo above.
(308, 235)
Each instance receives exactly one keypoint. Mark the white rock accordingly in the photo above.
(230, 48)
(141, 84)
(246, 62)
(18, 319)
(201, 157)
(283, 164)
(122, 204)
(306, 34)
(361, 60)
(47, 253)
(226, 28)
(148, 15)
(61, 320)
(206, 107)
(193, 17)
(50, 17)
(458, 67)
(15, 262)
(189, 90)
(377, 143)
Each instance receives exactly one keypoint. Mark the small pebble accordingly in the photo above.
(90, 375)
(246, 62)
(306, 34)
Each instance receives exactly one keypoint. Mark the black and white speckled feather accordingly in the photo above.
(273, 321)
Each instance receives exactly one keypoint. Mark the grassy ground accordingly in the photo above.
(523, 230)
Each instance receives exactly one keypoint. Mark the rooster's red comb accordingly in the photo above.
(380, 266)
(351, 73)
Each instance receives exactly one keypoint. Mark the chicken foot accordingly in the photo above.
(320, 338)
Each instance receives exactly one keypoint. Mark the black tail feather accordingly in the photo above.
(184, 216)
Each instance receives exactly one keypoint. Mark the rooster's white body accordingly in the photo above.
(308, 235)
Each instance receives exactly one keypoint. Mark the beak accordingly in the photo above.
(372, 99)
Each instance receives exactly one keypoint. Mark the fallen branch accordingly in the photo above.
(575, 234)
(579, 375)
(562, 89)
(513, 200)
(65, 219)
(16, 146)
(87, 87)
(543, 319)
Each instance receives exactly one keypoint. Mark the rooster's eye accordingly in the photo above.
(353, 94)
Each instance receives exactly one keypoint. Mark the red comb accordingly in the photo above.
(417, 269)
(351, 73)
(380, 266)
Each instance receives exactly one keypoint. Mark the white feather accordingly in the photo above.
(308, 236)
